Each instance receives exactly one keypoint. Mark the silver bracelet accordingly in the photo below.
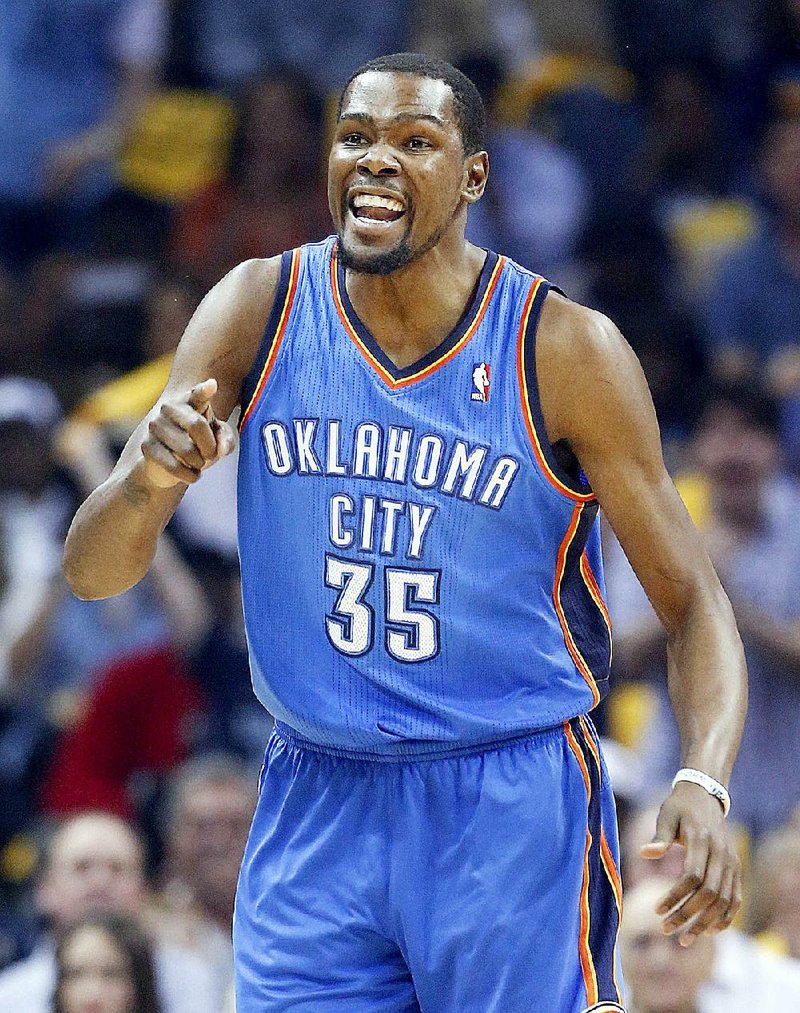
(710, 784)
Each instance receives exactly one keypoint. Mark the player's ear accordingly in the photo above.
(476, 174)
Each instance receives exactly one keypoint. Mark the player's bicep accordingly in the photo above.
(606, 413)
(222, 338)
(220, 342)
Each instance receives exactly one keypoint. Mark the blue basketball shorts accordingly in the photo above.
(475, 882)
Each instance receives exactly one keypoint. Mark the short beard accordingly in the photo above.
(387, 263)
(381, 264)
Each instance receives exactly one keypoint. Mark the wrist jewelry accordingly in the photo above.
(711, 785)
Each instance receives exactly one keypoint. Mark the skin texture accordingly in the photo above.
(398, 136)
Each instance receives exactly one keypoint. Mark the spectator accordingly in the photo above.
(95, 865)
(446, 29)
(105, 965)
(535, 207)
(35, 498)
(275, 197)
(35, 502)
(749, 506)
(236, 722)
(212, 805)
(775, 908)
(239, 41)
(81, 638)
(754, 306)
(207, 827)
(687, 160)
(73, 78)
(631, 278)
(138, 722)
(664, 977)
(661, 976)
(780, 88)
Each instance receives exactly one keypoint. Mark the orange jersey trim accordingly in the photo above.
(530, 425)
(280, 331)
(406, 381)
(572, 647)
(576, 749)
(611, 869)
(592, 746)
(606, 856)
(594, 590)
(585, 953)
(612, 872)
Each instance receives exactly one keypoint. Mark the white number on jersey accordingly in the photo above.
(412, 633)
(350, 623)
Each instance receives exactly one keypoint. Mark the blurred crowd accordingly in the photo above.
(645, 157)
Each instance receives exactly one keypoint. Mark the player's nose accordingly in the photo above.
(379, 160)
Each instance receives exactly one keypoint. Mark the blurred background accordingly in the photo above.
(645, 157)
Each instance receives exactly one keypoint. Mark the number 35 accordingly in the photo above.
(412, 633)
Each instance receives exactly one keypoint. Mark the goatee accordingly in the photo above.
(381, 263)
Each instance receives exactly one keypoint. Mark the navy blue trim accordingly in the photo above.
(442, 348)
(585, 620)
(603, 911)
(581, 484)
(250, 384)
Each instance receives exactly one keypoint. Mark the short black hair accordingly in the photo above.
(470, 112)
(750, 400)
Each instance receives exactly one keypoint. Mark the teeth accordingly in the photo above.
(368, 200)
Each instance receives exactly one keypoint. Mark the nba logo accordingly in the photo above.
(480, 382)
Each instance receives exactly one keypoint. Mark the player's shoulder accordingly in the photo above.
(582, 362)
(578, 340)
(255, 279)
(241, 301)
(575, 330)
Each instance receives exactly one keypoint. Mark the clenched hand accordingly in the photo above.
(185, 437)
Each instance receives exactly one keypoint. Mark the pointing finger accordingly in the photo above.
(196, 425)
(202, 393)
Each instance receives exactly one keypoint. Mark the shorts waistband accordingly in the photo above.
(410, 752)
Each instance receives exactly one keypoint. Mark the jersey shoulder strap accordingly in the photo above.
(256, 379)
(572, 486)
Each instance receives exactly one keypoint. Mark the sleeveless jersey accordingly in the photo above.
(418, 573)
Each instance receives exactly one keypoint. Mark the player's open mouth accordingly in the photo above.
(376, 209)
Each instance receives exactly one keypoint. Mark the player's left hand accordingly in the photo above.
(708, 894)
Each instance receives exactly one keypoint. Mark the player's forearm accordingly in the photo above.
(708, 683)
(112, 540)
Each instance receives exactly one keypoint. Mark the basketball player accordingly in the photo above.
(423, 591)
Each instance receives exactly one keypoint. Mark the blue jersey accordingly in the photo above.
(418, 572)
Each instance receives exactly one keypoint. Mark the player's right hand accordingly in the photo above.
(185, 437)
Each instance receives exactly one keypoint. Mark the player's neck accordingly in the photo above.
(412, 310)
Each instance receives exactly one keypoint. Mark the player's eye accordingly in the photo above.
(353, 138)
(418, 143)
